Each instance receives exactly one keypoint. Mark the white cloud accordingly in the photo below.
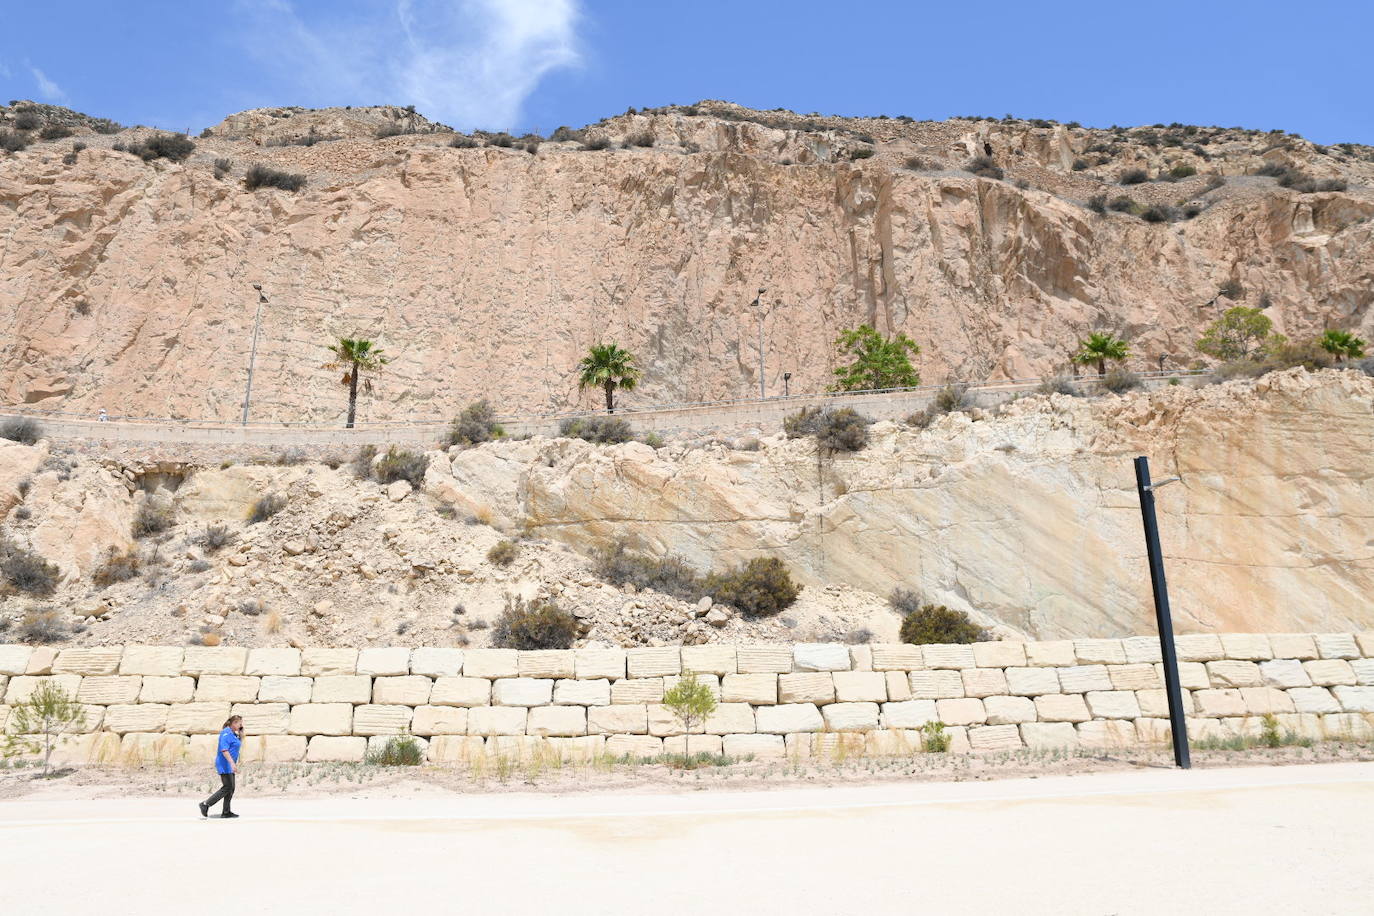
(471, 63)
(47, 89)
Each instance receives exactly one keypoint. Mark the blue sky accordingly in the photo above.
(526, 64)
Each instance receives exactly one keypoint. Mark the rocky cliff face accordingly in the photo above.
(487, 271)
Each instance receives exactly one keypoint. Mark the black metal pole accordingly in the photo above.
(1178, 728)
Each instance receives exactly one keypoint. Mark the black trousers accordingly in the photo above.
(226, 792)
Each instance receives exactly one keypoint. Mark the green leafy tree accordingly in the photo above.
(1098, 348)
(690, 700)
(875, 362)
(1240, 333)
(36, 723)
(608, 367)
(1343, 345)
(356, 357)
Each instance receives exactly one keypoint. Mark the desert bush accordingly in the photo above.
(41, 626)
(1133, 176)
(1214, 182)
(462, 141)
(153, 517)
(935, 624)
(266, 507)
(26, 571)
(1080, 164)
(223, 167)
(601, 430)
(55, 132)
(654, 440)
(291, 456)
(400, 464)
(215, 537)
(503, 140)
(1367, 366)
(1058, 384)
(1120, 380)
(26, 120)
(251, 607)
(1158, 213)
(934, 740)
(598, 143)
(400, 751)
(1182, 170)
(260, 176)
(118, 567)
(640, 139)
(475, 425)
(669, 575)
(916, 163)
(361, 464)
(173, 147)
(198, 566)
(835, 430)
(1123, 204)
(12, 141)
(861, 152)
(904, 601)
(760, 588)
(984, 167)
(503, 553)
(952, 397)
(539, 624)
(390, 130)
(24, 430)
(563, 134)
(1098, 203)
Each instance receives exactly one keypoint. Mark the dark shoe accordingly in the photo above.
(228, 814)
(204, 809)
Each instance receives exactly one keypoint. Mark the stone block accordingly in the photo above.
(908, 714)
(1191, 675)
(860, 686)
(947, 656)
(1099, 652)
(1062, 707)
(1217, 703)
(261, 718)
(888, 657)
(1107, 733)
(637, 690)
(1355, 699)
(152, 749)
(935, 685)
(143, 717)
(1305, 725)
(323, 748)
(108, 690)
(984, 682)
(1284, 672)
(497, 720)
(156, 689)
(154, 661)
(1050, 654)
(88, 661)
(1153, 730)
(788, 717)
(432, 661)
(280, 689)
(1155, 703)
(1112, 704)
(1000, 654)
(811, 687)
(546, 663)
(653, 662)
(390, 661)
(456, 748)
(1142, 650)
(850, 717)
(196, 718)
(519, 747)
(662, 722)
(1043, 736)
(1365, 641)
(1004, 710)
(1199, 647)
(1252, 647)
(820, 656)
(760, 747)
(375, 719)
(557, 721)
(758, 689)
(1139, 676)
(22, 687)
(1229, 673)
(41, 660)
(571, 692)
(717, 660)
(898, 685)
(264, 748)
(14, 660)
(995, 738)
(961, 712)
(1031, 682)
(693, 744)
(342, 688)
(763, 659)
(1261, 700)
(227, 688)
(1364, 671)
(322, 719)
(439, 720)
(892, 742)
(626, 719)
(1347, 726)
(402, 690)
(99, 748)
(199, 660)
(638, 746)
(837, 746)
(1329, 645)
(582, 749)
(1329, 672)
(329, 662)
(491, 663)
(276, 662)
(521, 691)
(1313, 699)
(1082, 678)
(599, 663)
(729, 719)
(860, 658)
(1293, 645)
(460, 691)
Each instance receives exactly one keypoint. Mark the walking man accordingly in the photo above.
(226, 765)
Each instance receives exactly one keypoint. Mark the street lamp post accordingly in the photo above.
(253, 352)
(762, 392)
(786, 388)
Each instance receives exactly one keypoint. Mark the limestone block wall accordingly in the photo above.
(165, 704)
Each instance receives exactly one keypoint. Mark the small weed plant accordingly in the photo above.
(400, 751)
(934, 739)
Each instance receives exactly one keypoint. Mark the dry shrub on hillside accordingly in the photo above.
(153, 517)
(1058, 384)
(23, 430)
(41, 626)
(260, 176)
(835, 430)
(400, 464)
(668, 575)
(539, 624)
(475, 425)
(215, 537)
(118, 567)
(25, 571)
(601, 430)
(935, 624)
(1119, 380)
(503, 553)
(266, 507)
(760, 588)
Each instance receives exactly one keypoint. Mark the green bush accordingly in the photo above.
(934, 740)
(266, 507)
(27, 571)
(761, 587)
(173, 147)
(935, 624)
(1123, 204)
(503, 553)
(669, 575)
(601, 430)
(22, 430)
(260, 176)
(539, 624)
(475, 425)
(153, 517)
(401, 751)
(400, 464)
(1183, 170)
(862, 152)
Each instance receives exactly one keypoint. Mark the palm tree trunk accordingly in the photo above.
(610, 397)
(352, 396)
(1101, 367)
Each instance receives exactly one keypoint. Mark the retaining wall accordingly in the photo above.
(167, 703)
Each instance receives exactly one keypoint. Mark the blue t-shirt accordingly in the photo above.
(228, 741)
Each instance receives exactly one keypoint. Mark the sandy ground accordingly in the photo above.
(1260, 839)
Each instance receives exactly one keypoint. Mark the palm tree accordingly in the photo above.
(356, 357)
(1342, 345)
(608, 367)
(1099, 348)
